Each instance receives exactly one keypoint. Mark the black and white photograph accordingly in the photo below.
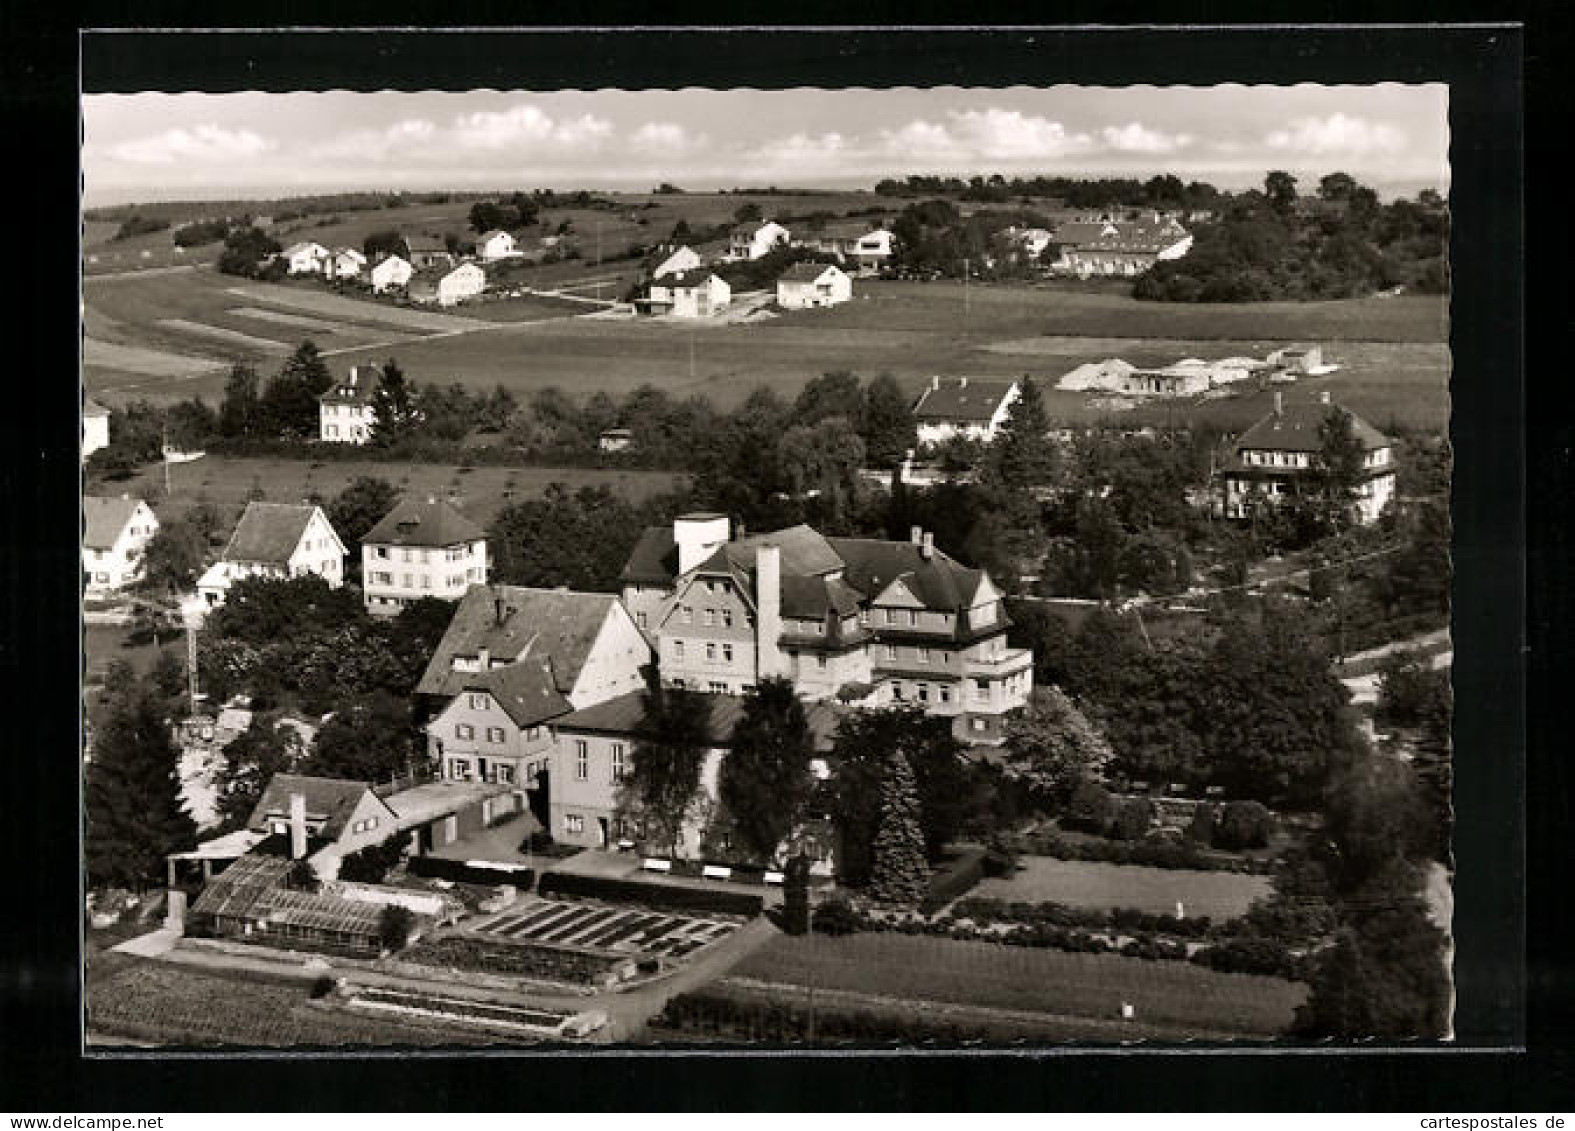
(723, 568)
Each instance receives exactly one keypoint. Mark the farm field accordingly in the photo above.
(1084, 883)
(146, 1000)
(1177, 996)
(481, 493)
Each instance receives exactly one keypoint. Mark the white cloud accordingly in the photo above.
(200, 143)
(528, 125)
(1338, 133)
(665, 138)
(407, 138)
(802, 151)
(1135, 137)
(1011, 134)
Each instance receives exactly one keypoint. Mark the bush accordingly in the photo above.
(1000, 859)
(955, 878)
(302, 876)
(1133, 819)
(652, 894)
(1249, 954)
(322, 987)
(458, 871)
(393, 926)
(1153, 855)
(1090, 810)
(1201, 830)
(836, 917)
(371, 864)
(1243, 824)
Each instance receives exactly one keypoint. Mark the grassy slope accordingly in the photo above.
(984, 974)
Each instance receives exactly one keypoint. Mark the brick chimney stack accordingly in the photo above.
(297, 826)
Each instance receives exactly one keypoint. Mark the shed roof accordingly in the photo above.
(423, 522)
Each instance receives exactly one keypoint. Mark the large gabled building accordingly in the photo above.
(276, 540)
(856, 620)
(969, 408)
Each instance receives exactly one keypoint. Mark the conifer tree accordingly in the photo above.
(900, 876)
(134, 812)
(1023, 455)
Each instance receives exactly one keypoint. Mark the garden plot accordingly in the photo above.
(221, 334)
(605, 927)
(344, 334)
(1093, 884)
(459, 1010)
(337, 306)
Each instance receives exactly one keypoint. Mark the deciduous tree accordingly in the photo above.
(765, 778)
(1052, 748)
(662, 787)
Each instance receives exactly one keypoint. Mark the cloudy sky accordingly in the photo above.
(190, 146)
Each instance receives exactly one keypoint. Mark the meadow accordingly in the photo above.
(1186, 999)
(1083, 883)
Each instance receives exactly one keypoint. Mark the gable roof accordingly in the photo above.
(302, 245)
(693, 277)
(805, 551)
(414, 244)
(557, 625)
(105, 518)
(91, 407)
(939, 581)
(961, 398)
(811, 598)
(525, 691)
(625, 715)
(327, 799)
(389, 261)
(807, 272)
(653, 559)
(350, 251)
(269, 532)
(423, 522)
(487, 235)
(1076, 233)
(1295, 429)
(358, 386)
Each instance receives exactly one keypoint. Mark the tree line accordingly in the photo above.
(1164, 190)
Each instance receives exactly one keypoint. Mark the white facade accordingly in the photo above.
(684, 259)
(345, 423)
(348, 263)
(394, 576)
(391, 272)
(696, 300)
(308, 259)
(95, 429)
(318, 550)
(107, 569)
(497, 245)
(830, 287)
(873, 249)
(937, 431)
(752, 243)
(465, 281)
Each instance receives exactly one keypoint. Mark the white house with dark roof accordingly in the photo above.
(447, 287)
(806, 285)
(696, 293)
(345, 413)
(115, 534)
(428, 252)
(971, 407)
(421, 548)
(514, 658)
(1274, 459)
(391, 273)
(1122, 248)
(276, 540)
(95, 427)
(496, 244)
(858, 620)
(307, 258)
(682, 259)
(348, 263)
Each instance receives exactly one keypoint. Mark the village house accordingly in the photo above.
(682, 259)
(854, 242)
(307, 258)
(615, 440)
(593, 751)
(1125, 248)
(448, 287)
(858, 620)
(512, 659)
(348, 263)
(116, 532)
(972, 408)
(751, 241)
(421, 548)
(276, 540)
(95, 427)
(697, 293)
(496, 244)
(1271, 461)
(1304, 361)
(345, 413)
(390, 273)
(428, 252)
(806, 285)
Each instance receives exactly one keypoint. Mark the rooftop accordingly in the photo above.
(423, 522)
(963, 398)
(806, 272)
(694, 277)
(105, 518)
(327, 799)
(626, 715)
(1295, 428)
(268, 532)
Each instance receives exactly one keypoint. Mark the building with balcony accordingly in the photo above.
(421, 548)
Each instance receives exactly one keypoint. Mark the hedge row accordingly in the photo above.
(956, 879)
(659, 896)
(716, 1015)
(497, 956)
(458, 871)
(985, 911)
(1183, 856)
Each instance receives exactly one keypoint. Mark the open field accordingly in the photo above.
(170, 1005)
(1178, 996)
(1083, 883)
(481, 492)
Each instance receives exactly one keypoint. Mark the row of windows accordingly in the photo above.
(582, 760)
(713, 651)
(687, 613)
(420, 581)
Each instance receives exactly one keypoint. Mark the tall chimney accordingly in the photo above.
(297, 825)
(1279, 403)
(927, 547)
(935, 381)
(484, 659)
(768, 609)
(916, 534)
(962, 382)
(499, 613)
